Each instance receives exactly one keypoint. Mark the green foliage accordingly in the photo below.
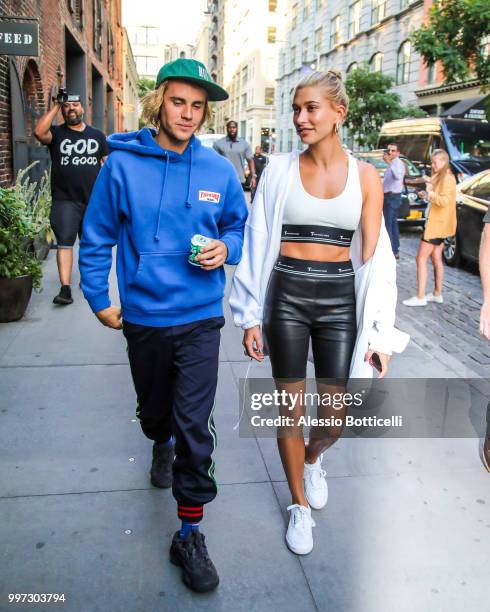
(455, 35)
(24, 214)
(371, 104)
(145, 86)
(37, 199)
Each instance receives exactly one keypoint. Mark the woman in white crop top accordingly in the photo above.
(324, 197)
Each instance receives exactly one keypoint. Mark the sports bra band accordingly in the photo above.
(322, 234)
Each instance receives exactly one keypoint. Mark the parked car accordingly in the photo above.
(466, 141)
(413, 208)
(472, 201)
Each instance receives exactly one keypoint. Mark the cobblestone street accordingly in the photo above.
(449, 331)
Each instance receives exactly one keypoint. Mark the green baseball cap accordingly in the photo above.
(195, 72)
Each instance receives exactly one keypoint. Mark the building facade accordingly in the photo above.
(344, 35)
(244, 41)
(80, 47)
(130, 86)
(175, 51)
(148, 45)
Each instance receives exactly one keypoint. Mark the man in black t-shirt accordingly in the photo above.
(77, 153)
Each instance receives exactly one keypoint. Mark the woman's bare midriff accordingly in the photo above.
(314, 252)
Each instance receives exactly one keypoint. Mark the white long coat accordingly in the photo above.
(375, 280)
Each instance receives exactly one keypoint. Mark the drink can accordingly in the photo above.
(198, 242)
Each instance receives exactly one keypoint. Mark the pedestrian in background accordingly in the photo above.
(260, 161)
(485, 317)
(392, 189)
(440, 224)
(238, 152)
(77, 152)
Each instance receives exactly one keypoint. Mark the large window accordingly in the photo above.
(431, 73)
(143, 35)
(376, 63)
(271, 34)
(294, 17)
(293, 58)
(304, 51)
(403, 63)
(351, 67)
(318, 40)
(354, 19)
(97, 31)
(306, 9)
(244, 75)
(272, 6)
(335, 31)
(243, 105)
(378, 10)
(77, 8)
(269, 96)
(147, 65)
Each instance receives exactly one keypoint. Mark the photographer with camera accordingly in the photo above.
(77, 153)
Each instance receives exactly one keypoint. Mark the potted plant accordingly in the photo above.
(38, 204)
(20, 270)
(40, 216)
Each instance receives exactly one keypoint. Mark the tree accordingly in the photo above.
(371, 104)
(145, 86)
(457, 35)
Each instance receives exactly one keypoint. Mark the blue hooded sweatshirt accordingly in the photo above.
(150, 202)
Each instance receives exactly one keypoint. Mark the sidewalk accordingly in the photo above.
(407, 526)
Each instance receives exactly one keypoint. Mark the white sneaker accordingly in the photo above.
(415, 301)
(430, 297)
(299, 537)
(316, 488)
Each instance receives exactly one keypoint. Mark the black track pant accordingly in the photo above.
(175, 373)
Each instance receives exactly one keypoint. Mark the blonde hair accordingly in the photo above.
(151, 106)
(331, 81)
(442, 173)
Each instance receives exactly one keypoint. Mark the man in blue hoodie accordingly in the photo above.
(157, 189)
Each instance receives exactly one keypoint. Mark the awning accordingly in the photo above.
(469, 108)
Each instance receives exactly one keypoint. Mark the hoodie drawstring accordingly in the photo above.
(188, 197)
(162, 197)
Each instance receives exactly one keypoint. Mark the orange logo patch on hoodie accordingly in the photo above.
(209, 196)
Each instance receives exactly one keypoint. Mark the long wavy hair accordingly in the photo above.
(151, 106)
(437, 177)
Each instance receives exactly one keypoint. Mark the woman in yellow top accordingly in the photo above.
(441, 223)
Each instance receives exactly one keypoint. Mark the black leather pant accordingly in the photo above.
(310, 299)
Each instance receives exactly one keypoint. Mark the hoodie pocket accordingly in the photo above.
(168, 282)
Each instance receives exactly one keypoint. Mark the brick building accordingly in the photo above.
(80, 46)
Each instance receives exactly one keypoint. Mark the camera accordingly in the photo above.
(62, 95)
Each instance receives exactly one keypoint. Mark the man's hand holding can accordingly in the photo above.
(213, 255)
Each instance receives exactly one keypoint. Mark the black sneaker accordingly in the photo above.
(161, 467)
(198, 571)
(64, 296)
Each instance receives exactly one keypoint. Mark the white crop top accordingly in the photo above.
(342, 212)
